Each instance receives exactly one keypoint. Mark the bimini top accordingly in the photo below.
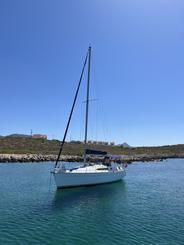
(115, 157)
(95, 152)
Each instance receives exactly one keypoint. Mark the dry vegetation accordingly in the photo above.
(19, 145)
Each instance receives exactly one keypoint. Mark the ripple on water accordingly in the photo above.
(146, 208)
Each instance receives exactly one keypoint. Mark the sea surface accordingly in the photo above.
(146, 208)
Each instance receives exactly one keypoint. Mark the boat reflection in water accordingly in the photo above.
(83, 196)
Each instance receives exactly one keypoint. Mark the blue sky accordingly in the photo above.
(137, 73)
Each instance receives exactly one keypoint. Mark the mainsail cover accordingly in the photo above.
(95, 152)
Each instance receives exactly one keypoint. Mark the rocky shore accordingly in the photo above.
(36, 158)
(5, 158)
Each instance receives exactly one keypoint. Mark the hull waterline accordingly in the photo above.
(64, 180)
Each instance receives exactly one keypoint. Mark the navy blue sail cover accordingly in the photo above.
(95, 152)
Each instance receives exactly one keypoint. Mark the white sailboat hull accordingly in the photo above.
(66, 179)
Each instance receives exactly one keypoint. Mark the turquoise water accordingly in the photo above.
(146, 208)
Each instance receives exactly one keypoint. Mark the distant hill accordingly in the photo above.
(125, 145)
(19, 135)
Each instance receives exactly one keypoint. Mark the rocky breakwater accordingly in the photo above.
(124, 158)
(150, 157)
(36, 158)
(5, 158)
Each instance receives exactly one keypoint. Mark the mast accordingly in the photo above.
(87, 104)
(71, 112)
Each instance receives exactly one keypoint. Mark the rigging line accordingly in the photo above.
(87, 104)
(100, 112)
(71, 112)
(96, 125)
(93, 127)
(89, 100)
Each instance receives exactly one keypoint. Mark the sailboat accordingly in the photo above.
(87, 173)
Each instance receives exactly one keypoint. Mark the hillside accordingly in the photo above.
(24, 145)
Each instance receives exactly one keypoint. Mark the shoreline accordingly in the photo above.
(27, 158)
